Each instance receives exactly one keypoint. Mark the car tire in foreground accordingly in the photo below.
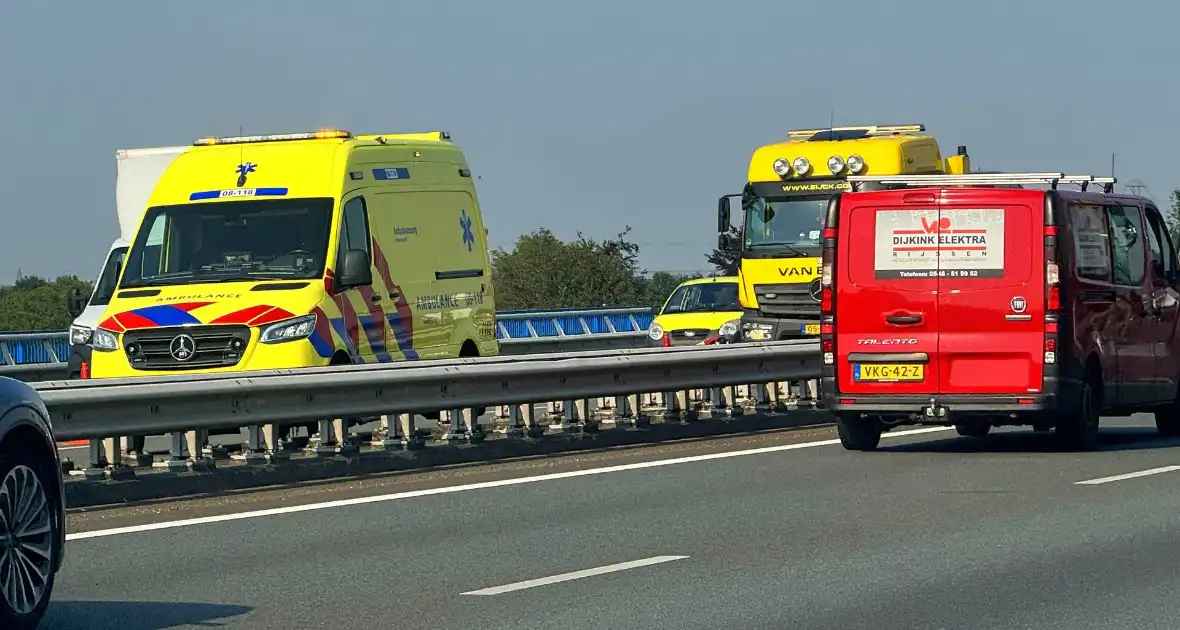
(28, 530)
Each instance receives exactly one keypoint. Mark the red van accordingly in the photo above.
(978, 301)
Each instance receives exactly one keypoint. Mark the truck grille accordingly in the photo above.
(791, 300)
(186, 348)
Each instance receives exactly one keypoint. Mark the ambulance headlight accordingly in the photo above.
(729, 329)
(289, 329)
(104, 340)
(801, 166)
(782, 167)
(856, 164)
(835, 164)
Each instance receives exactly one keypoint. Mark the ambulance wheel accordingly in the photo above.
(1077, 425)
(973, 429)
(858, 434)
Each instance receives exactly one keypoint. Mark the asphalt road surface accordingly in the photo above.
(934, 531)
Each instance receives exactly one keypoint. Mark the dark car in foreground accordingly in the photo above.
(32, 507)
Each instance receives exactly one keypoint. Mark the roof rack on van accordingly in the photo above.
(864, 130)
(988, 179)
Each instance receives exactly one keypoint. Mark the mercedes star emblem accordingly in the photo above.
(815, 289)
(182, 348)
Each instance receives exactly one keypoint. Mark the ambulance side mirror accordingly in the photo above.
(356, 270)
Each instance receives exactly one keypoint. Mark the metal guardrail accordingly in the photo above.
(43, 355)
(618, 387)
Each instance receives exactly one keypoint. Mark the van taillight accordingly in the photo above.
(827, 314)
(1052, 294)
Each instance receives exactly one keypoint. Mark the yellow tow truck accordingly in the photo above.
(783, 204)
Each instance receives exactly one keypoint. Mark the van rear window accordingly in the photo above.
(1091, 242)
(951, 243)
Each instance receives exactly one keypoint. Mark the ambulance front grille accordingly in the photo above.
(185, 347)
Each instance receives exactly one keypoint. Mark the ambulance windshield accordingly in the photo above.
(230, 241)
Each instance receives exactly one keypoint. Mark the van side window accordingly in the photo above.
(1091, 243)
(354, 230)
(1161, 245)
(1127, 243)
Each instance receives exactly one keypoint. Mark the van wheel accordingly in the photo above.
(1078, 427)
(1167, 418)
(858, 434)
(973, 429)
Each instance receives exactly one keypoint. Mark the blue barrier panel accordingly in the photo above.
(30, 347)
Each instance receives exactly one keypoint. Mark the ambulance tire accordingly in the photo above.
(858, 434)
(1077, 424)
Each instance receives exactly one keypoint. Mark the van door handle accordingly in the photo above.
(375, 298)
(393, 295)
(903, 320)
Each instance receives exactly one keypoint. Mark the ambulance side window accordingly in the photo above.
(1128, 244)
(1091, 243)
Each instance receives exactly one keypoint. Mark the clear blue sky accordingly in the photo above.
(575, 115)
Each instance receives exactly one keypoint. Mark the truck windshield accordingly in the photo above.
(708, 297)
(230, 241)
(792, 225)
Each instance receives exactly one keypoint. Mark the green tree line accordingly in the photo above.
(541, 271)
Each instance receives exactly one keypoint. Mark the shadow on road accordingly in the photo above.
(115, 615)
(1028, 441)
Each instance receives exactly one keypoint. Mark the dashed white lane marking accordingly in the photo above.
(1133, 475)
(574, 575)
(328, 505)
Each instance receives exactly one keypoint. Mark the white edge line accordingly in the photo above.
(1133, 475)
(574, 575)
(326, 505)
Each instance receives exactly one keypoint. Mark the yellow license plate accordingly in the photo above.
(811, 329)
(887, 372)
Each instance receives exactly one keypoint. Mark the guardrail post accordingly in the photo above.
(106, 460)
(669, 408)
(584, 409)
(724, 403)
(533, 426)
(513, 425)
(334, 439)
(568, 420)
(186, 452)
(759, 398)
(387, 435)
(412, 438)
(456, 428)
(263, 446)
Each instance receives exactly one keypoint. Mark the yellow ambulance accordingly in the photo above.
(301, 250)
